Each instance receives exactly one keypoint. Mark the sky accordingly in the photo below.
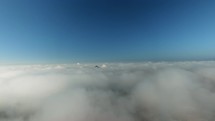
(106, 30)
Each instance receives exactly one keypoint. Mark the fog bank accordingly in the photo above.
(162, 91)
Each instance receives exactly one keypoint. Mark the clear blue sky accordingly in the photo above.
(106, 30)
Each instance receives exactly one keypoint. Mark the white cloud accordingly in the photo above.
(177, 91)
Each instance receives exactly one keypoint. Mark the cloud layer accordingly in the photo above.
(162, 91)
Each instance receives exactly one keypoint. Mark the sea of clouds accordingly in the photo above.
(161, 91)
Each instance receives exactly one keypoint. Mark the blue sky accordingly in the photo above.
(106, 30)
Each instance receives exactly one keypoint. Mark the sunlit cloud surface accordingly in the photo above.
(162, 91)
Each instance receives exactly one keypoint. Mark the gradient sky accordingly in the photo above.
(106, 30)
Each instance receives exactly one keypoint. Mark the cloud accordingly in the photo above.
(162, 91)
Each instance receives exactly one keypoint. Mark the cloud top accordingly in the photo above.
(162, 91)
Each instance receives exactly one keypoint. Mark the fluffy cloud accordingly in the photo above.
(162, 91)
